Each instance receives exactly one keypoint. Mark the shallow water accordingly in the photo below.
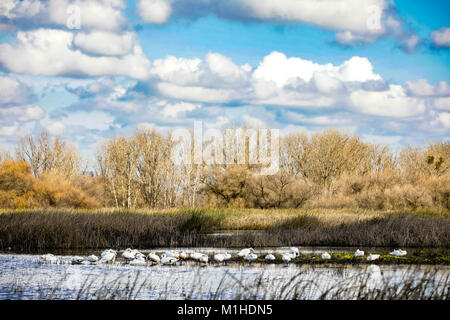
(24, 277)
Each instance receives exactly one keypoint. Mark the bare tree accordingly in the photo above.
(47, 153)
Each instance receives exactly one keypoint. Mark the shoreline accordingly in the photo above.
(435, 256)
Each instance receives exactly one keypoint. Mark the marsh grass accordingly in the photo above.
(74, 229)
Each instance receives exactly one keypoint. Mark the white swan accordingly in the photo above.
(49, 258)
(269, 257)
(183, 255)
(108, 255)
(373, 257)
(294, 252)
(92, 258)
(226, 256)
(326, 256)
(196, 255)
(138, 261)
(204, 258)
(287, 257)
(251, 257)
(359, 253)
(219, 257)
(154, 257)
(245, 252)
(173, 254)
(398, 253)
(168, 260)
(131, 254)
(77, 260)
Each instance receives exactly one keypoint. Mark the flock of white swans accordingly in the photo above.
(171, 257)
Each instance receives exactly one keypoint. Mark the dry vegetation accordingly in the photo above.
(51, 229)
(332, 189)
(328, 170)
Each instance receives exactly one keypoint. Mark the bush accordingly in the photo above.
(19, 189)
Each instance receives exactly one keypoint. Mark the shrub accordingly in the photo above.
(19, 189)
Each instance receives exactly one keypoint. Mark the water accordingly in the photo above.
(24, 277)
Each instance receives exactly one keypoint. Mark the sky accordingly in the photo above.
(90, 69)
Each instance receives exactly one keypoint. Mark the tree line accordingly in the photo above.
(332, 169)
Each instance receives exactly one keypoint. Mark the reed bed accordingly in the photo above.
(74, 229)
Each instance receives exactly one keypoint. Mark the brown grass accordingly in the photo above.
(67, 229)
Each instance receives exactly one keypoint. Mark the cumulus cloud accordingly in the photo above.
(16, 106)
(355, 21)
(353, 15)
(94, 14)
(281, 70)
(51, 52)
(421, 87)
(196, 93)
(154, 11)
(323, 120)
(13, 91)
(105, 43)
(441, 38)
(174, 110)
(442, 103)
(277, 80)
(444, 119)
(391, 103)
(94, 120)
(215, 69)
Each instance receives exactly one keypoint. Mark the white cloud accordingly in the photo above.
(325, 83)
(174, 110)
(441, 37)
(154, 11)
(324, 120)
(349, 38)
(378, 139)
(95, 120)
(442, 103)
(390, 103)
(253, 122)
(12, 91)
(191, 93)
(9, 130)
(278, 80)
(22, 113)
(50, 52)
(16, 106)
(95, 14)
(281, 70)
(218, 123)
(215, 71)
(421, 87)
(105, 43)
(56, 128)
(444, 118)
(356, 21)
(355, 15)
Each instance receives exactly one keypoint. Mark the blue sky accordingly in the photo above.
(292, 64)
